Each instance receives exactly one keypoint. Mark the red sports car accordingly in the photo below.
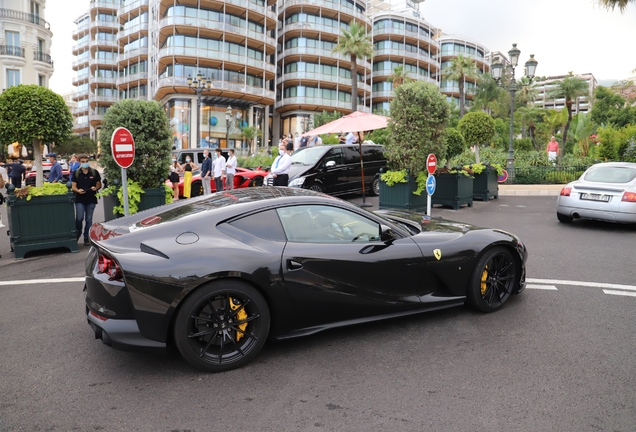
(46, 170)
(243, 178)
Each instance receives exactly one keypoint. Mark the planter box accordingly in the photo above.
(400, 196)
(486, 185)
(45, 222)
(151, 198)
(453, 190)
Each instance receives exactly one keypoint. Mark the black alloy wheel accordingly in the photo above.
(375, 186)
(196, 189)
(317, 187)
(563, 218)
(257, 181)
(493, 280)
(222, 326)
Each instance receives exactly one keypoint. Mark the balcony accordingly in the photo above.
(101, 81)
(124, 57)
(170, 83)
(319, 52)
(141, 27)
(105, 25)
(80, 46)
(81, 29)
(10, 50)
(455, 53)
(81, 125)
(382, 94)
(133, 78)
(103, 62)
(262, 10)
(42, 57)
(216, 55)
(315, 76)
(25, 17)
(455, 90)
(318, 102)
(80, 61)
(80, 94)
(345, 8)
(130, 6)
(77, 111)
(98, 99)
(80, 78)
(307, 26)
(105, 4)
(403, 32)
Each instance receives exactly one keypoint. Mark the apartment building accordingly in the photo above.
(543, 98)
(25, 43)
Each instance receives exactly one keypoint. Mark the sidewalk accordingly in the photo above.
(530, 190)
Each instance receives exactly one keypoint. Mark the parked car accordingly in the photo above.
(46, 170)
(244, 177)
(335, 169)
(220, 274)
(605, 192)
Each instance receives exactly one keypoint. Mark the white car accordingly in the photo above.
(605, 192)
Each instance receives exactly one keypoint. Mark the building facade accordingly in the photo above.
(25, 43)
(262, 63)
(544, 100)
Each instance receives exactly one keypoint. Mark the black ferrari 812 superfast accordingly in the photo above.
(218, 275)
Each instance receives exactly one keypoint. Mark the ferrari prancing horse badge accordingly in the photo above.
(437, 253)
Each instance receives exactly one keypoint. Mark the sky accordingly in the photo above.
(564, 35)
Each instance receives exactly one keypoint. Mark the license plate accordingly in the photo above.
(595, 197)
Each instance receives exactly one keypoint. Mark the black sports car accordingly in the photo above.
(219, 274)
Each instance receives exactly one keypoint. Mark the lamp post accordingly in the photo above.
(228, 116)
(496, 68)
(199, 85)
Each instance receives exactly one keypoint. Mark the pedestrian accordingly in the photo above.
(230, 170)
(86, 182)
(3, 172)
(73, 164)
(350, 138)
(187, 169)
(318, 140)
(206, 172)
(280, 169)
(304, 141)
(552, 150)
(55, 174)
(175, 169)
(16, 174)
(218, 168)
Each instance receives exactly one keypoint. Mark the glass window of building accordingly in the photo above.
(13, 77)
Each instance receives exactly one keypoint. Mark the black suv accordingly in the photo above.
(335, 169)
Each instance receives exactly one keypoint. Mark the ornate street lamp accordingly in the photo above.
(199, 85)
(228, 116)
(496, 71)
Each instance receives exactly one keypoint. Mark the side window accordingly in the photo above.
(265, 225)
(184, 155)
(352, 155)
(324, 224)
(372, 153)
(335, 154)
(200, 158)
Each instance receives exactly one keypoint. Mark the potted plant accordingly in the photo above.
(150, 129)
(478, 127)
(486, 180)
(419, 114)
(28, 230)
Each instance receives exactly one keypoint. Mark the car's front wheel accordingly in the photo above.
(222, 326)
(493, 280)
(317, 187)
(563, 218)
(196, 189)
(256, 181)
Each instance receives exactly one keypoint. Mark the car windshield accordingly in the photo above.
(309, 155)
(610, 174)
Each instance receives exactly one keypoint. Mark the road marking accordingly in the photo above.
(583, 284)
(41, 281)
(621, 293)
(543, 287)
(520, 206)
(504, 205)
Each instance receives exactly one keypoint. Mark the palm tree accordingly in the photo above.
(355, 42)
(569, 88)
(489, 97)
(399, 76)
(528, 116)
(526, 94)
(461, 68)
(611, 4)
(249, 133)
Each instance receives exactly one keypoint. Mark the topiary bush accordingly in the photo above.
(455, 144)
(477, 127)
(148, 124)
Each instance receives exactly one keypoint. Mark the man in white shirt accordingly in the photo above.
(280, 168)
(218, 167)
(351, 138)
(230, 170)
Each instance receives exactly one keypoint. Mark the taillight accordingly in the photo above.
(566, 191)
(629, 197)
(106, 264)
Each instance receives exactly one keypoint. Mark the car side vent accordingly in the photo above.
(152, 251)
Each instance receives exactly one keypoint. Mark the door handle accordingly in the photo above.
(294, 265)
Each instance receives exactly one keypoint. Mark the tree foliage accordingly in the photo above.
(419, 115)
(325, 117)
(461, 68)
(477, 127)
(250, 133)
(610, 108)
(32, 115)
(76, 145)
(455, 144)
(150, 129)
(611, 4)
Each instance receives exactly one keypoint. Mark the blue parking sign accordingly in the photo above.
(430, 184)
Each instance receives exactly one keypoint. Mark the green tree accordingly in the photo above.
(569, 88)
(325, 117)
(355, 43)
(526, 93)
(476, 128)
(76, 145)
(580, 132)
(455, 144)
(610, 108)
(33, 115)
(419, 114)
(150, 129)
(250, 133)
(489, 97)
(529, 116)
(611, 4)
(399, 76)
(461, 68)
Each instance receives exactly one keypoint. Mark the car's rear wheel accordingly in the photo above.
(256, 181)
(196, 189)
(493, 280)
(222, 326)
(375, 186)
(317, 187)
(563, 218)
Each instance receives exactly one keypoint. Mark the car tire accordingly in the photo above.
(196, 189)
(256, 181)
(493, 280)
(317, 187)
(375, 187)
(563, 218)
(219, 305)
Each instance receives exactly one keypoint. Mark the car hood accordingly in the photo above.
(298, 170)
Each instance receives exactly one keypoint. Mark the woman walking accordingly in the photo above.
(187, 169)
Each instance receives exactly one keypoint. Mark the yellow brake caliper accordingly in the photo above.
(484, 277)
(240, 316)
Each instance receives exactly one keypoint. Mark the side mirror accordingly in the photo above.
(330, 164)
(386, 233)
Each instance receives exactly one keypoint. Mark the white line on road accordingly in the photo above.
(543, 287)
(621, 293)
(41, 281)
(583, 284)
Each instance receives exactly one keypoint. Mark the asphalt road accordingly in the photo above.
(557, 358)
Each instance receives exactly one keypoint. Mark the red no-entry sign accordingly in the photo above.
(431, 163)
(122, 145)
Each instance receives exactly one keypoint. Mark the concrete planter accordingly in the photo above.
(153, 197)
(486, 185)
(400, 196)
(453, 190)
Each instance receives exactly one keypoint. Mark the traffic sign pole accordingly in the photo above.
(431, 166)
(124, 185)
(428, 205)
(122, 146)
